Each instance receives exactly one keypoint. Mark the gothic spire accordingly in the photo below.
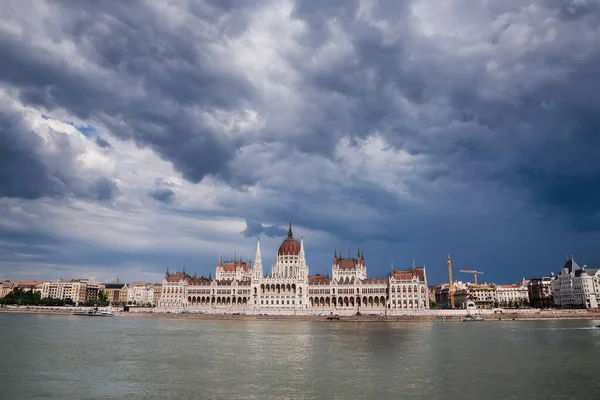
(290, 233)
(258, 260)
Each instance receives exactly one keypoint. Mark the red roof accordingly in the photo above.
(29, 283)
(348, 263)
(409, 274)
(318, 280)
(231, 266)
(289, 246)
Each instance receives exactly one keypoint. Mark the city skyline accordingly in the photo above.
(136, 137)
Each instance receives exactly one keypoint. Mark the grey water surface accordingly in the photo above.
(67, 357)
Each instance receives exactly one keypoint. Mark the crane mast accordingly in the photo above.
(451, 287)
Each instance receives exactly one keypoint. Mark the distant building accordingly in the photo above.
(483, 294)
(6, 288)
(27, 286)
(442, 293)
(290, 290)
(140, 294)
(540, 292)
(77, 290)
(575, 286)
(113, 292)
(517, 295)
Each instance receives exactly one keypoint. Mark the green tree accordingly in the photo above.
(432, 304)
(102, 299)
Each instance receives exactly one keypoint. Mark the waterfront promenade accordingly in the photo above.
(421, 315)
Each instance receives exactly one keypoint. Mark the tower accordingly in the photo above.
(258, 272)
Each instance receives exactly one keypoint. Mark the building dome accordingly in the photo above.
(289, 246)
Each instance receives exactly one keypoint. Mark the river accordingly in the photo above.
(67, 357)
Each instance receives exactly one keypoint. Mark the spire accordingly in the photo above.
(220, 263)
(301, 256)
(290, 233)
(258, 261)
(362, 256)
(358, 256)
(167, 272)
(335, 254)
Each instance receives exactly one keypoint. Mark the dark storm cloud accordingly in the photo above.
(103, 143)
(256, 228)
(26, 171)
(131, 43)
(500, 105)
(163, 192)
(22, 173)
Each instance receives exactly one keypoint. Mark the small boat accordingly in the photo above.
(472, 318)
(94, 313)
(333, 318)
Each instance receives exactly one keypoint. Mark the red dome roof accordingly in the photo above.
(289, 246)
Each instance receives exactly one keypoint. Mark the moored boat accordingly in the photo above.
(472, 318)
(94, 313)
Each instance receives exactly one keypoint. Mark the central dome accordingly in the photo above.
(289, 246)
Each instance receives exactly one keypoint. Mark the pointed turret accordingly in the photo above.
(301, 255)
(362, 256)
(167, 273)
(335, 257)
(290, 233)
(258, 261)
(220, 263)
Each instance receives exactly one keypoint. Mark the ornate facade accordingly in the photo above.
(575, 286)
(240, 287)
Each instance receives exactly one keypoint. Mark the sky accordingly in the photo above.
(142, 135)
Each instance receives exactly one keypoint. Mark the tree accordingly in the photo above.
(102, 299)
(432, 304)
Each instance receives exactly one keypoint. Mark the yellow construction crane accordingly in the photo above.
(451, 287)
(470, 271)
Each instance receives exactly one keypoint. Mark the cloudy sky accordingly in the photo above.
(141, 135)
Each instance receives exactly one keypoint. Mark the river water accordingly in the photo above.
(66, 357)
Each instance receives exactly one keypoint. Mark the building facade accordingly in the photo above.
(575, 286)
(140, 294)
(540, 292)
(513, 295)
(113, 292)
(290, 290)
(6, 288)
(77, 290)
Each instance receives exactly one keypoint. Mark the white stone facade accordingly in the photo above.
(575, 286)
(514, 294)
(290, 290)
(141, 294)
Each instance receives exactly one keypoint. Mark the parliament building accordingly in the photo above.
(243, 287)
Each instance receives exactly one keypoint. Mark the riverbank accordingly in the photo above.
(438, 315)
